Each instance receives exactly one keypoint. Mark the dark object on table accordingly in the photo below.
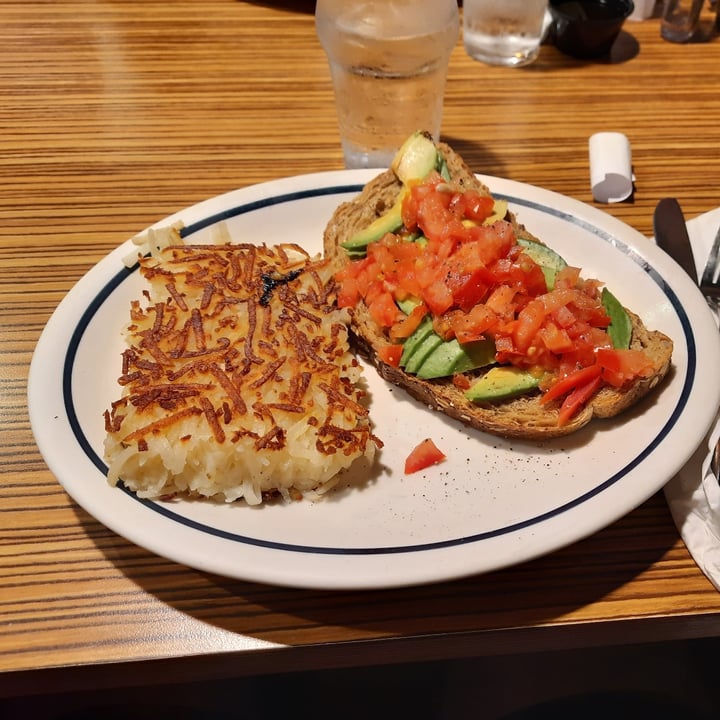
(587, 28)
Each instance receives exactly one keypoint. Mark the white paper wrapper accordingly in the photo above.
(643, 10)
(611, 175)
(693, 495)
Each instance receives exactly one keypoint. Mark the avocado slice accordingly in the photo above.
(422, 351)
(620, 328)
(500, 209)
(408, 305)
(416, 158)
(451, 357)
(443, 168)
(427, 355)
(421, 332)
(377, 229)
(548, 260)
(501, 383)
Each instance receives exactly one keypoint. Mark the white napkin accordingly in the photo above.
(694, 494)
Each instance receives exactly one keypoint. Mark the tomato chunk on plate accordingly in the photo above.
(423, 456)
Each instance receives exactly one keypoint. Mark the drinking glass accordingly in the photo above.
(388, 62)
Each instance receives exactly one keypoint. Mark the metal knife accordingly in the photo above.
(672, 236)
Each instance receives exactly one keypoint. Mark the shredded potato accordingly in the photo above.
(237, 380)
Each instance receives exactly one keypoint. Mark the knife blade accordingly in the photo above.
(672, 236)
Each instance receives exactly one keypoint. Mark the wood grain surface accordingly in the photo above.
(114, 115)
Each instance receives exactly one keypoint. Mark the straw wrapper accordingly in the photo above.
(611, 175)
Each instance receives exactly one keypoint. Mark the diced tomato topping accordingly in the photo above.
(383, 309)
(501, 300)
(570, 382)
(406, 327)
(438, 297)
(555, 338)
(423, 456)
(474, 325)
(576, 400)
(491, 242)
(530, 320)
(390, 354)
(462, 382)
(567, 277)
(470, 289)
(472, 205)
(621, 366)
(349, 293)
(477, 282)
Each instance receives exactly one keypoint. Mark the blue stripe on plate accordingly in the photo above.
(121, 276)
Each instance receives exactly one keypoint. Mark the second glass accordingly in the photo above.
(680, 19)
(504, 32)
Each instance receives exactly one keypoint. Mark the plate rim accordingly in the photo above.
(335, 183)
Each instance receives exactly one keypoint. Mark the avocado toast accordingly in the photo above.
(504, 336)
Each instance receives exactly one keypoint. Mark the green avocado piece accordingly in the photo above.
(501, 383)
(408, 305)
(451, 357)
(376, 230)
(548, 260)
(620, 328)
(421, 332)
(422, 351)
(416, 158)
(443, 168)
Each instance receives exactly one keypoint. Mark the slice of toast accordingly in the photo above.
(521, 417)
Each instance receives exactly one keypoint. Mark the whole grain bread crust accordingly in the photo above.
(520, 417)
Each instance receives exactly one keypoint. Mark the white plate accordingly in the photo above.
(491, 504)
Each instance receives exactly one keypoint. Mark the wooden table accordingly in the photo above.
(114, 115)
